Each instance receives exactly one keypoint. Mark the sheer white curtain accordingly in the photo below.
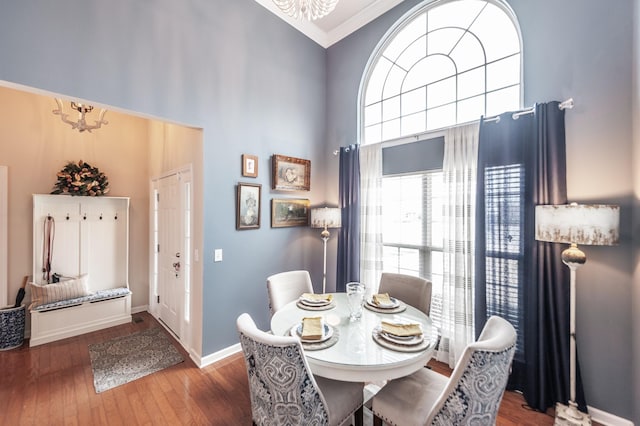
(371, 216)
(459, 167)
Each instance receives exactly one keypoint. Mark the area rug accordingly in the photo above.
(127, 358)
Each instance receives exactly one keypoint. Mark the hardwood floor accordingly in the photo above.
(52, 384)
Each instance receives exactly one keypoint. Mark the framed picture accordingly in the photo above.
(248, 206)
(289, 212)
(290, 174)
(249, 165)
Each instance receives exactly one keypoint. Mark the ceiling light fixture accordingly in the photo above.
(81, 125)
(310, 9)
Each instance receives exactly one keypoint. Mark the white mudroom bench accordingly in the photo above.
(91, 238)
(72, 317)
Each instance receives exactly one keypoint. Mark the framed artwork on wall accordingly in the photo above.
(290, 173)
(249, 165)
(289, 212)
(248, 206)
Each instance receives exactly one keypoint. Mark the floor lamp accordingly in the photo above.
(576, 224)
(325, 217)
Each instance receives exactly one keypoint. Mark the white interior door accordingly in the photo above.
(172, 264)
(170, 250)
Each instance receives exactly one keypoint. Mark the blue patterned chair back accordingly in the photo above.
(282, 388)
(476, 386)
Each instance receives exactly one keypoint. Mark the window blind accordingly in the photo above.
(504, 218)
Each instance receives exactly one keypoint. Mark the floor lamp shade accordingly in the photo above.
(596, 225)
(325, 217)
(329, 217)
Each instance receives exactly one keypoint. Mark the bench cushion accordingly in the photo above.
(99, 295)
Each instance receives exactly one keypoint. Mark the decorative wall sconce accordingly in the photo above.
(83, 109)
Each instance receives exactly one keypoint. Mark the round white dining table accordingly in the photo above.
(357, 357)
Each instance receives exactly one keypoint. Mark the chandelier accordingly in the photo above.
(83, 109)
(310, 9)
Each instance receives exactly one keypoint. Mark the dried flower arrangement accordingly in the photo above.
(81, 179)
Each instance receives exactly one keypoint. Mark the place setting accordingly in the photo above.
(315, 333)
(385, 304)
(315, 302)
(400, 335)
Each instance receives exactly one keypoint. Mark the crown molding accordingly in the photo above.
(359, 20)
(328, 38)
(307, 28)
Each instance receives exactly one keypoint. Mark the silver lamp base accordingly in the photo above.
(570, 415)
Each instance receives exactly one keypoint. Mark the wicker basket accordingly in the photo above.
(11, 327)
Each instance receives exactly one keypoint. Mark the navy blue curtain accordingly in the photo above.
(348, 265)
(522, 163)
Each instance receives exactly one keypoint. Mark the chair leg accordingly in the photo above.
(358, 416)
(377, 421)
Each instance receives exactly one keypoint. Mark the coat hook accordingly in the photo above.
(67, 216)
(84, 217)
(100, 216)
(116, 218)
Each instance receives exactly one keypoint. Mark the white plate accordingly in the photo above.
(296, 330)
(393, 336)
(394, 304)
(310, 302)
(401, 340)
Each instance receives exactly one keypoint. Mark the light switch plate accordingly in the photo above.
(217, 255)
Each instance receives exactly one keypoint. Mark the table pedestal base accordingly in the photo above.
(569, 415)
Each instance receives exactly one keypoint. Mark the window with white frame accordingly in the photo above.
(448, 63)
(412, 229)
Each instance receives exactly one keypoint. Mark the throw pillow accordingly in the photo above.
(68, 289)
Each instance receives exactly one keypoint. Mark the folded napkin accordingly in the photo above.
(312, 328)
(401, 330)
(317, 297)
(382, 299)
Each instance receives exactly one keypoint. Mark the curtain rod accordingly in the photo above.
(568, 104)
(346, 148)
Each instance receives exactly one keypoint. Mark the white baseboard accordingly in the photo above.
(216, 356)
(607, 419)
(138, 309)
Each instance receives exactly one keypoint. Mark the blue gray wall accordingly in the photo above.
(253, 83)
(574, 48)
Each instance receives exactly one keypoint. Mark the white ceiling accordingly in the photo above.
(347, 17)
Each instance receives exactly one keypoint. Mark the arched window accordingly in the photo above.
(448, 63)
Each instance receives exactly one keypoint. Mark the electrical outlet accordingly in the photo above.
(217, 255)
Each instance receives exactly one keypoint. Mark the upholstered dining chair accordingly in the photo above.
(282, 388)
(414, 291)
(471, 396)
(287, 286)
